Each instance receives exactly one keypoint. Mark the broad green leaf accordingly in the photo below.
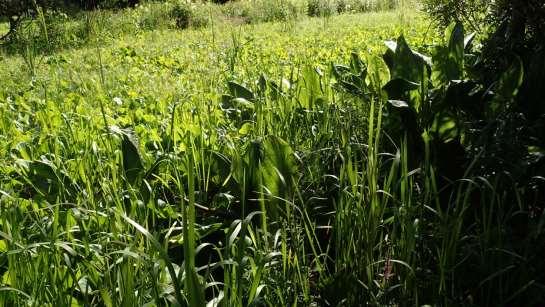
(456, 50)
(351, 79)
(449, 60)
(357, 65)
(132, 162)
(234, 233)
(262, 83)
(339, 70)
(445, 127)
(47, 179)
(75, 302)
(398, 87)
(404, 63)
(507, 87)
(351, 88)
(379, 73)
(239, 91)
(278, 168)
(43, 177)
(511, 80)
(286, 85)
(310, 89)
(242, 103)
(246, 128)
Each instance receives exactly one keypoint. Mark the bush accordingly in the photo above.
(261, 11)
(188, 15)
(320, 8)
(277, 10)
(238, 10)
(342, 6)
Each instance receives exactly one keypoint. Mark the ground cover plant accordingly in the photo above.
(310, 162)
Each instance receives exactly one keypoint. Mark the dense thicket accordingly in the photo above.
(506, 139)
(514, 131)
(519, 36)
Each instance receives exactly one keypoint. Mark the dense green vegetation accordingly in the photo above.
(261, 157)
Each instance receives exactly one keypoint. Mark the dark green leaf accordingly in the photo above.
(398, 87)
(456, 50)
(405, 63)
(511, 80)
(132, 162)
(239, 91)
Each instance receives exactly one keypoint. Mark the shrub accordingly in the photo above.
(238, 10)
(261, 11)
(320, 8)
(277, 10)
(187, 15)
(342, 6)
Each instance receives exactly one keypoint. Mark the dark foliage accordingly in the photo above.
(515, 135)
(220, 1)
(505, 140)
(94, 4)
